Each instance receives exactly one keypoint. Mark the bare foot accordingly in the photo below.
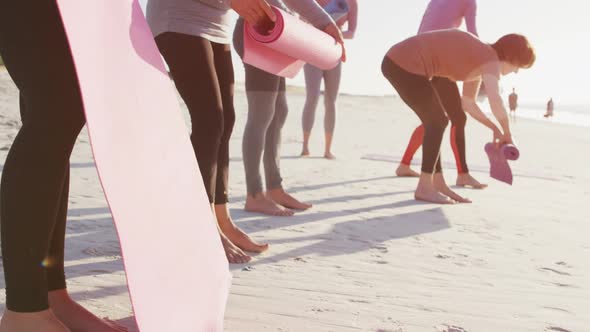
(259, 203)
(305, 150)
(234, 233)
(43, 321)
(329, 155)
(76, 317)
(466, 180)
(405, 171)
(234, 254)
(280, 196)
(432, 197)
(441, 186)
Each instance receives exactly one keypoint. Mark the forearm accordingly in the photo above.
(475, 112)
(352, 21)
(501, 115)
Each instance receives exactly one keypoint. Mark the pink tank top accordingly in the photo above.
(446, 14)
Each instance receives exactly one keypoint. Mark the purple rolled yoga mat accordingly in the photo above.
(499, 168)
(283, 49)
(510, 151)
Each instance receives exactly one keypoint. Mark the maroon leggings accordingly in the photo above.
(435, 102)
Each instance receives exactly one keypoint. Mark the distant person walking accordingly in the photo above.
(513, 102)
(549, 112)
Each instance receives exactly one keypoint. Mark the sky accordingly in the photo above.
(554, 28)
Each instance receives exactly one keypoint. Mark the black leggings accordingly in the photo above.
(35, 180)
(204, 76)
(450, 97)
(422, 96)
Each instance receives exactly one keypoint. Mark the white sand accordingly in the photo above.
(367, 257)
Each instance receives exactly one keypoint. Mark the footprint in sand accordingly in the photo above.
(449, 328)
(440, 256)
(548, 269)
(558, 284)
(394, 326)
(564, 264)
(359, 301)
(557, 309)
(556, 329)
(382, 249)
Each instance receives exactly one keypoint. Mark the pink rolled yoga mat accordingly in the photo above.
(499, 168)
(284, 49)
(177, 273)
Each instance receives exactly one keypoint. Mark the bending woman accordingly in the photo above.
(267, 112)
(446, 14)
(313, 82)
(194, 39)
(460, 56)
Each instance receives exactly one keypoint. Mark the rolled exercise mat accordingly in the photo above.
(283, 49)
(177, 273)
(510, 151)
(498, 157)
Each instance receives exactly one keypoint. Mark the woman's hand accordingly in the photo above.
(506, 139)
(333, 30)
(500, 139)
(254, 11)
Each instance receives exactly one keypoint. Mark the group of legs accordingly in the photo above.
(203, 74)
(267, 113)
(445, 89)
(434, 102)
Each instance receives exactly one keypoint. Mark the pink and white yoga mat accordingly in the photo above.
(288, 45)
(177, 273)
(499, 168)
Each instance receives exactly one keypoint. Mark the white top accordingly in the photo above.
(190, 17)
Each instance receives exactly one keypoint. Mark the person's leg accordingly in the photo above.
(404, 169)
(451, 101)
(192, 66)
(225, 74)
(261, 91)
(272, 154)
(36, 171)
(417, 92)
(313, 83)
(332, 86)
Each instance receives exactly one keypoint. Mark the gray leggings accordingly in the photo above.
(267, 112)
(313, 82)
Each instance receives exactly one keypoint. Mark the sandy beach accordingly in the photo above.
(367, 256)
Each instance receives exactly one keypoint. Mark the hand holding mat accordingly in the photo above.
(499, 168)
(283, 49)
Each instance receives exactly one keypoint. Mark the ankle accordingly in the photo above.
(255, 197)
(275, 191)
